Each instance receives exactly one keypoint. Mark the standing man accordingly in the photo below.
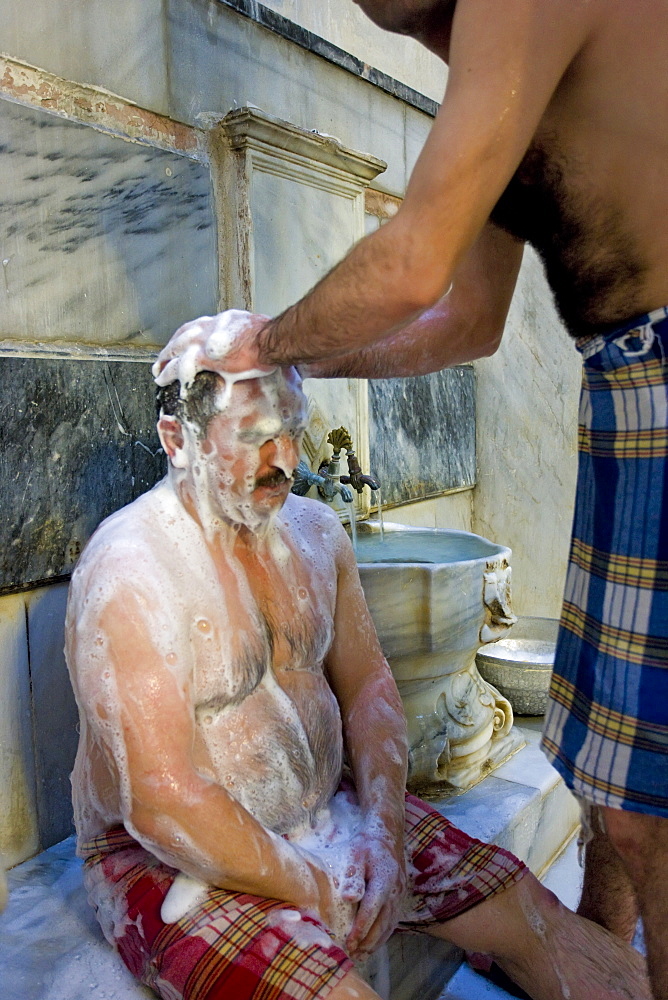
(553, 131)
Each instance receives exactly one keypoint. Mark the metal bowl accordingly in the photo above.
(520, 664)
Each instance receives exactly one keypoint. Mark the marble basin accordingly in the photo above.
(435, 597)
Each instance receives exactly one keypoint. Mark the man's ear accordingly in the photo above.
(170, 433)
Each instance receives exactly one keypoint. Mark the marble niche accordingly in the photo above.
(292, 205)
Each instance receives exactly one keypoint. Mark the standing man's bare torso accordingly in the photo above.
(591, 193)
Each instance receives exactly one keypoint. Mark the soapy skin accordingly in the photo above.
(220, 645)
(223, 660)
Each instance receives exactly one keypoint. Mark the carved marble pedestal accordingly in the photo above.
(432, 615)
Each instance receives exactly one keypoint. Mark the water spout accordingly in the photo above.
(380, 514)
(353, 526)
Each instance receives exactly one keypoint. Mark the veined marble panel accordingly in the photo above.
(77, 441)
(423, 434)
(101, 240)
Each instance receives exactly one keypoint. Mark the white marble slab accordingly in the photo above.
(52, 947)
(523, 806)
(564, 876)
(18, 816)
(101, 240)
(119, 45)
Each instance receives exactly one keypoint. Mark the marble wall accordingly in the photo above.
(102, 241)
(527, 444)
(19, 836)
(195, 60)
(343, 23)
(38, 724)
(77, 441)
(422, 433)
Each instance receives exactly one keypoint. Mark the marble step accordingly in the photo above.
(52, 948)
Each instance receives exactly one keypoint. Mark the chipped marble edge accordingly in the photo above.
(76, 351)
(22, 83)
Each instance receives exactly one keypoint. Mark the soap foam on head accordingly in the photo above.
(201, 345)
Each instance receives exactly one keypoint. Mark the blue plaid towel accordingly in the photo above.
(606, 729)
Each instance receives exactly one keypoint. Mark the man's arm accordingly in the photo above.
(466, 324)
(374, 731)
(506, 61)
(185, 819)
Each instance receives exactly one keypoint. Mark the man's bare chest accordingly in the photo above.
(264, 622)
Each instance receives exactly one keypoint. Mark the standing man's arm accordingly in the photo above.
(506, 61)
(466, 324)
(374, 731)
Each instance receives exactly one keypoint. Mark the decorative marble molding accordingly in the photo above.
(291, 203)
(252, 128)
(249, 142)
(283, 26)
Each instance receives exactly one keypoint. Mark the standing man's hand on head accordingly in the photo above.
(506, 61)
(207, 351)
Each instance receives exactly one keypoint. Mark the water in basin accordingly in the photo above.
(422, 547)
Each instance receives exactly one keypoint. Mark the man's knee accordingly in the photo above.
(506, 923)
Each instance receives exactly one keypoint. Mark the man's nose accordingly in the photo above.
(284, 454)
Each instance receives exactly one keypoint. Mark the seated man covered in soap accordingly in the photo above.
(239, 786)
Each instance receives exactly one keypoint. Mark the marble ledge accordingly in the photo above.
(523, 806)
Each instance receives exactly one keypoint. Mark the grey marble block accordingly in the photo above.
(54, 713)
(77, 441)
(423, 434)
(102, 241)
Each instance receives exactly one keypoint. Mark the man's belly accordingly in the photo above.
(279, 756)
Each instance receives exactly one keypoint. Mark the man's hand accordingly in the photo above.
(338, 898)
(381, 860)
(227, 344)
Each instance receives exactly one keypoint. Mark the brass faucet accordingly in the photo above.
(327, 479)
(340, 439)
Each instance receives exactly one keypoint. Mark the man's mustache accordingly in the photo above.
(276, 478)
